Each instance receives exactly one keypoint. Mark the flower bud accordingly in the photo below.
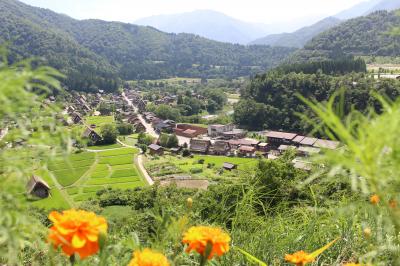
(189, 202)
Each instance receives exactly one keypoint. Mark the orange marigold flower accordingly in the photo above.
(148, 257)
(352, 264)
(76, 231)
(197, 238)
(374, 199)
(299, 258)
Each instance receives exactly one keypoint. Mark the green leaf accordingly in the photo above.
(319, 251)
(250, 257)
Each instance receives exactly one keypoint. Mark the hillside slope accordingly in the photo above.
(300, 37)
(118, 50)
(356, 37)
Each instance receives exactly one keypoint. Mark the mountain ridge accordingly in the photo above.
(300, 37)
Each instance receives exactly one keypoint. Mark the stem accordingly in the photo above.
(72, 259)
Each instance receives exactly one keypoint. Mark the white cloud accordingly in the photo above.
(266, 11)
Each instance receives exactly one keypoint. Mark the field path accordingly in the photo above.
(62, 190)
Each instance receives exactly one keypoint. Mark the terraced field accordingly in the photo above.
(80, 176)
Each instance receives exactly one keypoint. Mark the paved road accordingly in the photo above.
(139, 163)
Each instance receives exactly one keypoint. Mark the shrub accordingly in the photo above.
(186, 153)
(196, 170)
(109, 134)
(201, 161)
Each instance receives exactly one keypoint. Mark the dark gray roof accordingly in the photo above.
(34, 181)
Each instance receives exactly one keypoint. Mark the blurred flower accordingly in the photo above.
(367, 232)
(76, 231)
(374, 199)
(299, 258)
(393, 203)
(352, 264)
(189, 202)
(147, 257)
(199, 238)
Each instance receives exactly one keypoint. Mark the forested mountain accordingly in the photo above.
(271, 101)
(356, 37)
(95, 54)
(209, 24)
(299, 37)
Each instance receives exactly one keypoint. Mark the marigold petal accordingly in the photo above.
(78, 240)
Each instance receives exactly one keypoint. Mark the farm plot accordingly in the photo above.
(199, 167)
(115, 169)
(68, 170)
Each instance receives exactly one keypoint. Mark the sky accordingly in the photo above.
(260, 11)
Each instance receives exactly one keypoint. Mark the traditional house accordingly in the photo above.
(175, 150)
(165, 126)
(229, 166)
(38, 187)
(276, 138)
(306, 166)
(247, 151)
(92, 135)
(76, 118)
(156, 150)
(263, 147)
(220, 148)
(297, 140)
(139, 127)
(199, 146)
(218, 130)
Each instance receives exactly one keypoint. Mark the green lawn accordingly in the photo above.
(130, 140)
(99, 120)
(55, 201)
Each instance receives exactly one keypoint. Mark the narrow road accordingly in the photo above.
(149, 128)
(139, 164)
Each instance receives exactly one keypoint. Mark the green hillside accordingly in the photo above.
(96, 54)
(356, 37)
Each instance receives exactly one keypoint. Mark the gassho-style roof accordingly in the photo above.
(326, 144)
(280, 135)
(155, 147)
(221, 145)
(308, 141)
(199, 145)
(35, 180)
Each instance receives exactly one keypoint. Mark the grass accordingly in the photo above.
(69, 176)
(85, 196)
(99, 120)
(55, 201)
(105, 181)
(73, 190)
(130, 140)
(117, 160)
(105, 147)
(117, 212)
(117, 152)
(124, 173)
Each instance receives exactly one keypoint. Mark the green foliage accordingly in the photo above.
(125, 129)
(145, 139)
(109, 133)
(337, 67)
(168, 141)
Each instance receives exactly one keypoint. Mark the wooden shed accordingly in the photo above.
(38, 187)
